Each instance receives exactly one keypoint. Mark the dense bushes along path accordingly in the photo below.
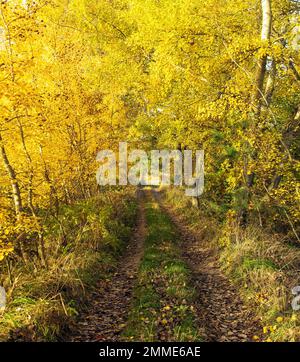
(167, 288)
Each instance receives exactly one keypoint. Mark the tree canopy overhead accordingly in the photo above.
(78, 76)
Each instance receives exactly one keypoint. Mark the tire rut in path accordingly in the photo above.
(221, 314)
(109, 308)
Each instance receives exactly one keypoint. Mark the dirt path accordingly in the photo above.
(105, 319)
(221, 314)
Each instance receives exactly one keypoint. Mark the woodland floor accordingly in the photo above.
(220, 313)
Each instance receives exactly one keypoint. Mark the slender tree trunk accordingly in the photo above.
(53, 198)
(259, 96)
(16, 194)
(13, 180)
(270, 84)
(30, 169)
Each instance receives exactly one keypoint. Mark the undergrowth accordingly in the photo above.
(83, 244)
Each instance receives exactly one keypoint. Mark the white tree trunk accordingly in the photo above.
(266, 19)
(261, 69)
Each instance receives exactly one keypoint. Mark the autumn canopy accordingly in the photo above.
(80, 76)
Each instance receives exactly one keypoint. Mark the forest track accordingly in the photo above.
(107, 315)
(221, 314)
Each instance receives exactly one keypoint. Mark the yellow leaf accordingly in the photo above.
(265, 330)
(294, 318)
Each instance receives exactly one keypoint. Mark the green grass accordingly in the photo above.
(163, 299)
(250, 264)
